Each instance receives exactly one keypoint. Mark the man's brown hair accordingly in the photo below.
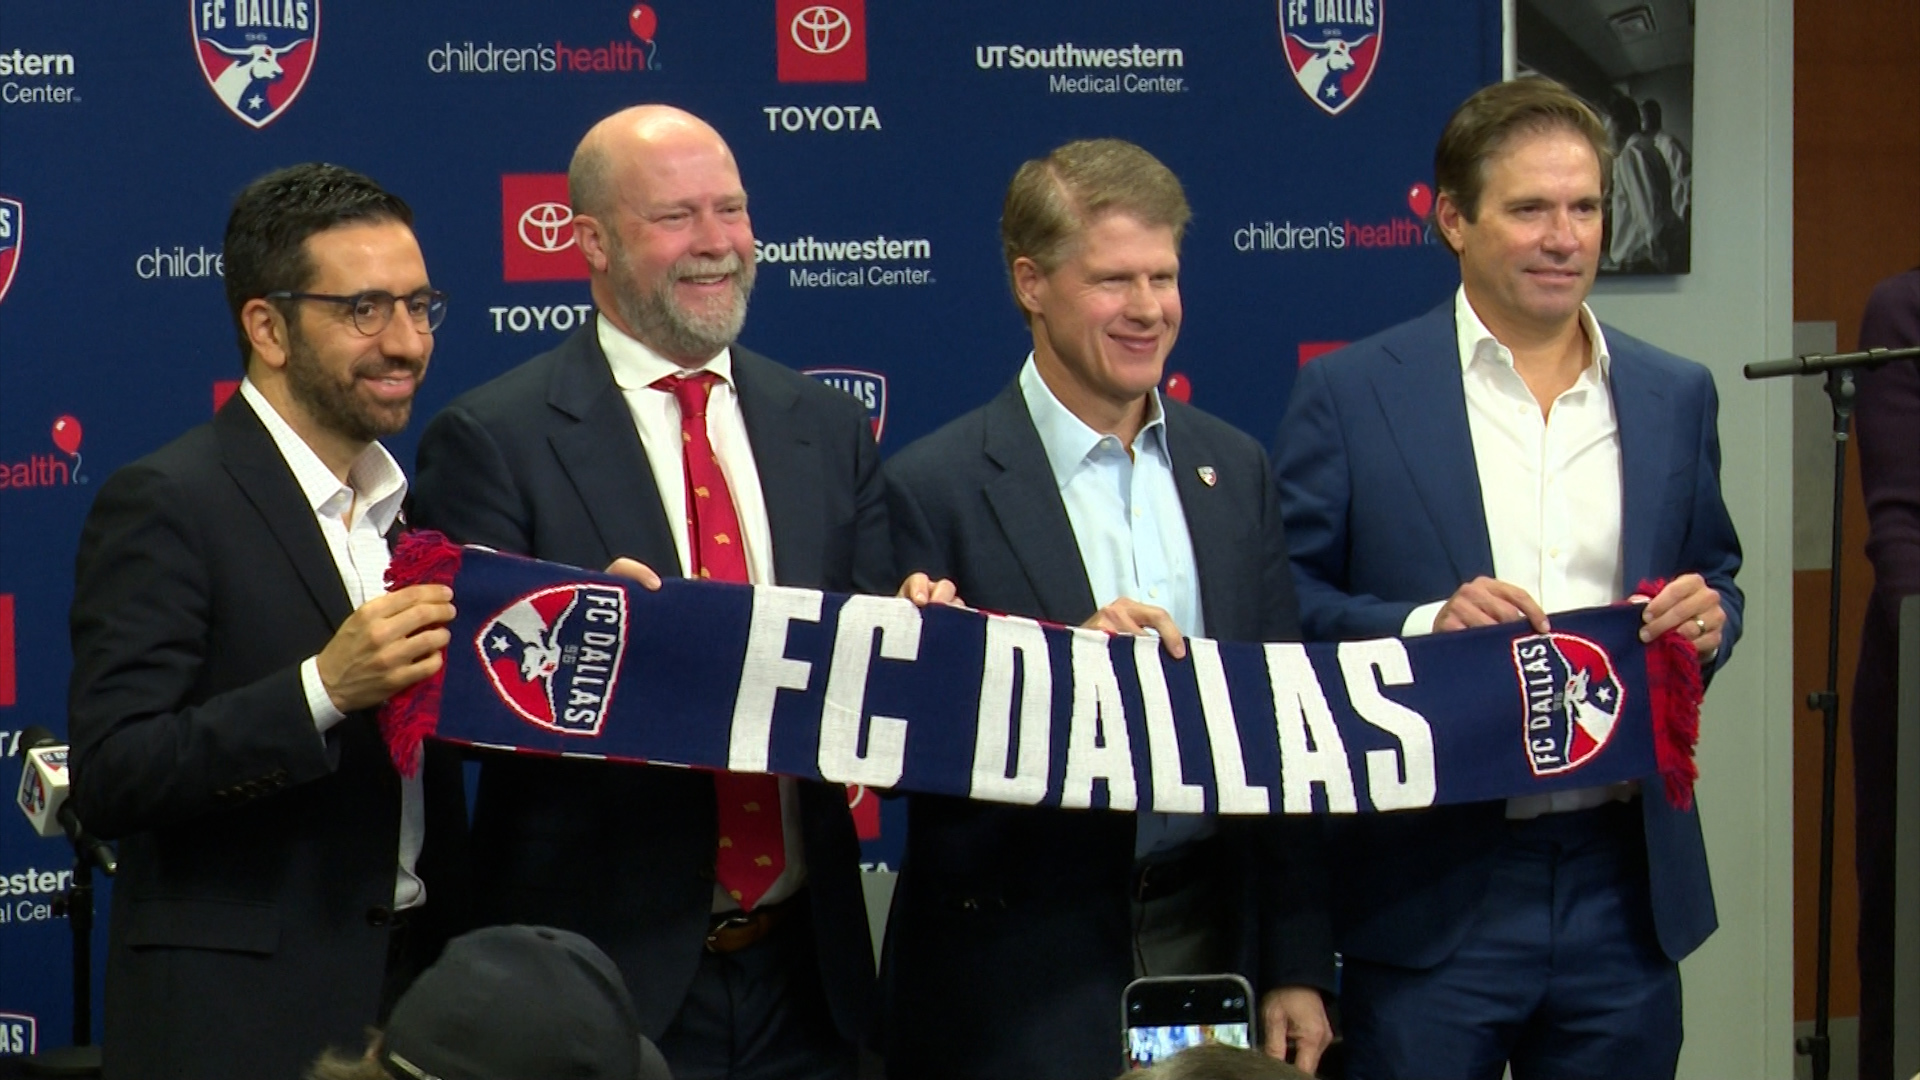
(1484, 123)
(1053, 199)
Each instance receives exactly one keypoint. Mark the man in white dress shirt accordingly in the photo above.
(1497, 460)
(231, 635)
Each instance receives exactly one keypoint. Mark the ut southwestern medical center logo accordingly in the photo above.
(256, 54)
(1572, 696)
(553, 655)
(1332, 47)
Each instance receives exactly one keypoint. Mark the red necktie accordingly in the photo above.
(752, 850)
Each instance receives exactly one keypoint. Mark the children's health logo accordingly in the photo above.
(41, 470)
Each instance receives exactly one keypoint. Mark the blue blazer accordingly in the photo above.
(1009, 944)
(545, 461)
(1381, 498)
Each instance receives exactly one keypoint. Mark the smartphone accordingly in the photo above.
(1164, 1015)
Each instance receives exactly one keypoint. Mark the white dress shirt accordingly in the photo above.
(1551, 488)
(1131, 530)
(354, 518)
(656, 416)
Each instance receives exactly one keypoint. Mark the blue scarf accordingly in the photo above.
(549, 659)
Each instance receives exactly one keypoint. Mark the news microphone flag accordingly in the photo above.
(549, 659)
(43, 787)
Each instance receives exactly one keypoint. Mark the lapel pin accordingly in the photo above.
(1207, 475)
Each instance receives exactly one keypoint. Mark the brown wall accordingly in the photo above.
(1856, 219)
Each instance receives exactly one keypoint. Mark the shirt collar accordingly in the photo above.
(1067, 439)
(636, 366)
(1476, 340)
(374, 479)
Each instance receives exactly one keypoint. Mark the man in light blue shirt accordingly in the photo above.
(1080, 496)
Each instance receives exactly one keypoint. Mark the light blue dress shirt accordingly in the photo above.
(1132, 533)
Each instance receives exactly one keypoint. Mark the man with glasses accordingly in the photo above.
(231, 637)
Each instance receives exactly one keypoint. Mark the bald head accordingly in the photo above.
(626, 138)
(661, 219)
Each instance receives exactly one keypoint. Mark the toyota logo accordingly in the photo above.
(821, 29)
(545, 227)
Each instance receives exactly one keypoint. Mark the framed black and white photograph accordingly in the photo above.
(1632, 60)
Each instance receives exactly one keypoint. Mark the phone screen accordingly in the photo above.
(1148, 1045)
(1167, 1015)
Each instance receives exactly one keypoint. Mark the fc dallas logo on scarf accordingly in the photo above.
(1572, 696)
(553, 655)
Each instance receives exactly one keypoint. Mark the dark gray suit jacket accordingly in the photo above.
(257, 859)
(545, 461)
(1009, 944)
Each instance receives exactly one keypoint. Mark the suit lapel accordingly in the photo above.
(1210, 527)
(1026, 505)
(254, 461)
(602, 455)
(1640, 408)
(1424, 401)
(788, 464)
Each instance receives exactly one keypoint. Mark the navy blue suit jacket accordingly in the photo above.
(1009, 944)
(1381, 497)
(545, 461)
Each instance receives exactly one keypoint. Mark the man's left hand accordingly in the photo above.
(923, 590)
(1295, 1016)
(1686, 603)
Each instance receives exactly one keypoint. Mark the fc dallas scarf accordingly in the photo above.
(549, 659)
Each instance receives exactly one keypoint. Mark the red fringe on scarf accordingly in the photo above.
(423, 557)
(1675, 690)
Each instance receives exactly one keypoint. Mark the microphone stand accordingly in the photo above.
(82, 1059)
(1839, 369)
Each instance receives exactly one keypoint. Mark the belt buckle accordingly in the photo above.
(738, 920)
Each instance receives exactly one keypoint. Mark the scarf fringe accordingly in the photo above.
(423, 557)
(1675, 688)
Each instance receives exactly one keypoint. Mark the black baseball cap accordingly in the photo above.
(519, 1003)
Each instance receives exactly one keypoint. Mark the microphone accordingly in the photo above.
(1816, 363)
(43, 797)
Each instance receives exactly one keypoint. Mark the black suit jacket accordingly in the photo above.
(1009, 944)
(545, 461)
(257, 858)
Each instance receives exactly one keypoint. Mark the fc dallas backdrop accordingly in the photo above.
(876, 140)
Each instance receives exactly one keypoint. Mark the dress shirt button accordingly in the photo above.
(1553, 553)
(1154, 592)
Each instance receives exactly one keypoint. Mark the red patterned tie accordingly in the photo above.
(752, 850)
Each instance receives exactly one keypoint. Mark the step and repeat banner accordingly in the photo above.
(875, 138)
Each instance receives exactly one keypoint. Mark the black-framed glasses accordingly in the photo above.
(372, 310)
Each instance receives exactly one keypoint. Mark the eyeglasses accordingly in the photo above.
(373, 310)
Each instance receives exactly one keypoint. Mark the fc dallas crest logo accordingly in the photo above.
(1332, 47)
(554, 655)
(1572, 696)
(11, 216)
(256, 54)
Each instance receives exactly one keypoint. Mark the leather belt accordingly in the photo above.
(735, 930)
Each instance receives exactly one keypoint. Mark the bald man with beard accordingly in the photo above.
(575, 457)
